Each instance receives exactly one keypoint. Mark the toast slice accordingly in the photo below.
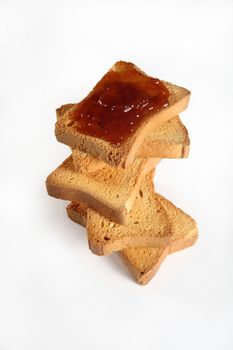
(142, 262)
(66, 128)
(170, 140)
(150, 223)
(84, 163)
(110, 190)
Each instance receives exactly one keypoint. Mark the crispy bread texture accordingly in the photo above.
(149, 224)
(67, 133)
(110, 190)
(169, 140)
(144, 262)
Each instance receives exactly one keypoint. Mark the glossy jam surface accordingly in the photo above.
(118, 104)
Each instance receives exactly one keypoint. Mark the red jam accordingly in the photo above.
(119, 103)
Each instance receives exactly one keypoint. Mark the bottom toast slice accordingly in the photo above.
(152, 222)
(144, 262)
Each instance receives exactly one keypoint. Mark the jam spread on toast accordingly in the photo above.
(119, 103)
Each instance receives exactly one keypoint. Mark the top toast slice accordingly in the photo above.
(67, 132)
(170, 140)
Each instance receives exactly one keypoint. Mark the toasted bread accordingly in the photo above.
(149, 224)
(67, 132)
(84, 163)
(143, 263)
(170, 140)
(111, 190)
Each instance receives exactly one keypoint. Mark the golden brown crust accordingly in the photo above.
(124, 154)
(84, 163)
(144, 276)
(143, 263)
(110, 190)
(149, 224)
(170, 140)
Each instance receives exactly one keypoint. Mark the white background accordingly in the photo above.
(54, 293)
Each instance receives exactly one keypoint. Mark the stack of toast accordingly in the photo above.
(118, 134)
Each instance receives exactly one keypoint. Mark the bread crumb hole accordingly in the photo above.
(141, 193)
(106, 238)
(135, 222)
(70, 123)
